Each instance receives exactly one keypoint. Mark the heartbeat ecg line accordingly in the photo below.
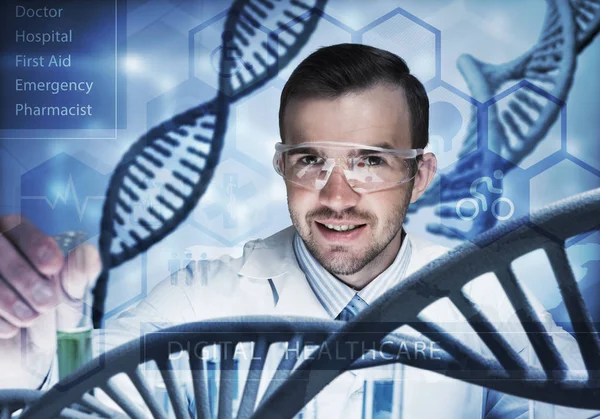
(64, 197)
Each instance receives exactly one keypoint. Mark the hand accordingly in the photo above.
(38, 289)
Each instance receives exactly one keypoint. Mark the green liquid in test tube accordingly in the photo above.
(74, 344)
(74, 349)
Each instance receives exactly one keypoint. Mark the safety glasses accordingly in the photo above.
(366, 168)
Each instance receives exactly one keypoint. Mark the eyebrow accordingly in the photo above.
(313, 150)
(362, 152)
(303, 150)
(385, 145)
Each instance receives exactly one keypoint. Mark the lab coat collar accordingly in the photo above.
(274, 258)
(271, 257)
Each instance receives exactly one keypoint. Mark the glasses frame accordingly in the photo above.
(407, 154)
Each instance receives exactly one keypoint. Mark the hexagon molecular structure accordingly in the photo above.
(236, 206)
(257, 124)
(562, 180)
(329, 31)
(452, 124)
(512, 118)
(63, 194)
(480, 191)
(210, 41)
(409, 37)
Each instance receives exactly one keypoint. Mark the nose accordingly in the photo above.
(337, 194)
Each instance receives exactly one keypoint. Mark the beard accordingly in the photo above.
(341, 259)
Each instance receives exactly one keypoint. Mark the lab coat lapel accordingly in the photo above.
(274, 259)
(296, 297)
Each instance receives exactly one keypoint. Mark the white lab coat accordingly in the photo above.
(240, 286)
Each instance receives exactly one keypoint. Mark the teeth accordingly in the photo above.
(340, 228)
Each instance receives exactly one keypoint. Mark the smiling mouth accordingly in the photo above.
(341, 227)
(340, 231)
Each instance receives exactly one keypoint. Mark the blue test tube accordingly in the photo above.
(382, 399)
(213, 376)
(212, 368)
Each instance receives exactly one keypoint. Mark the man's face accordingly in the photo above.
(370, 117)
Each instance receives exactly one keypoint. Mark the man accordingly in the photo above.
(353, 123)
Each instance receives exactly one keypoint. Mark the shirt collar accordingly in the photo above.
(333, 294)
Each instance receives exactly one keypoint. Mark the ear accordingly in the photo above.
(427, 166)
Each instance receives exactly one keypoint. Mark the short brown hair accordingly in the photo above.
(333, 71)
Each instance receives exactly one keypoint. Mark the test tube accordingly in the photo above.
(74, 349)
(382, 398)
(213, 367)
(74, 344)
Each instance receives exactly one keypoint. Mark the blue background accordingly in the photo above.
(169, 67)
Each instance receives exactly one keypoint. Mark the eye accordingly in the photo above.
(309, 160)
(373, 161)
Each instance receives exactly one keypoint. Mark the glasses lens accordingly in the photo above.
(365, 170)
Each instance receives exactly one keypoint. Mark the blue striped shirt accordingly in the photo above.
(333, 294)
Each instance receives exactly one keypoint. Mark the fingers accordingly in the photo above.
(39, 292)
(7, 330)
(26, 257)
(35, 278)
(13, 309)
(40, 250)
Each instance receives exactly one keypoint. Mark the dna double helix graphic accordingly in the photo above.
(185, 150)
(514, 133)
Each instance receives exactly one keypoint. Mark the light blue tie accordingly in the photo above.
(355, 306)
